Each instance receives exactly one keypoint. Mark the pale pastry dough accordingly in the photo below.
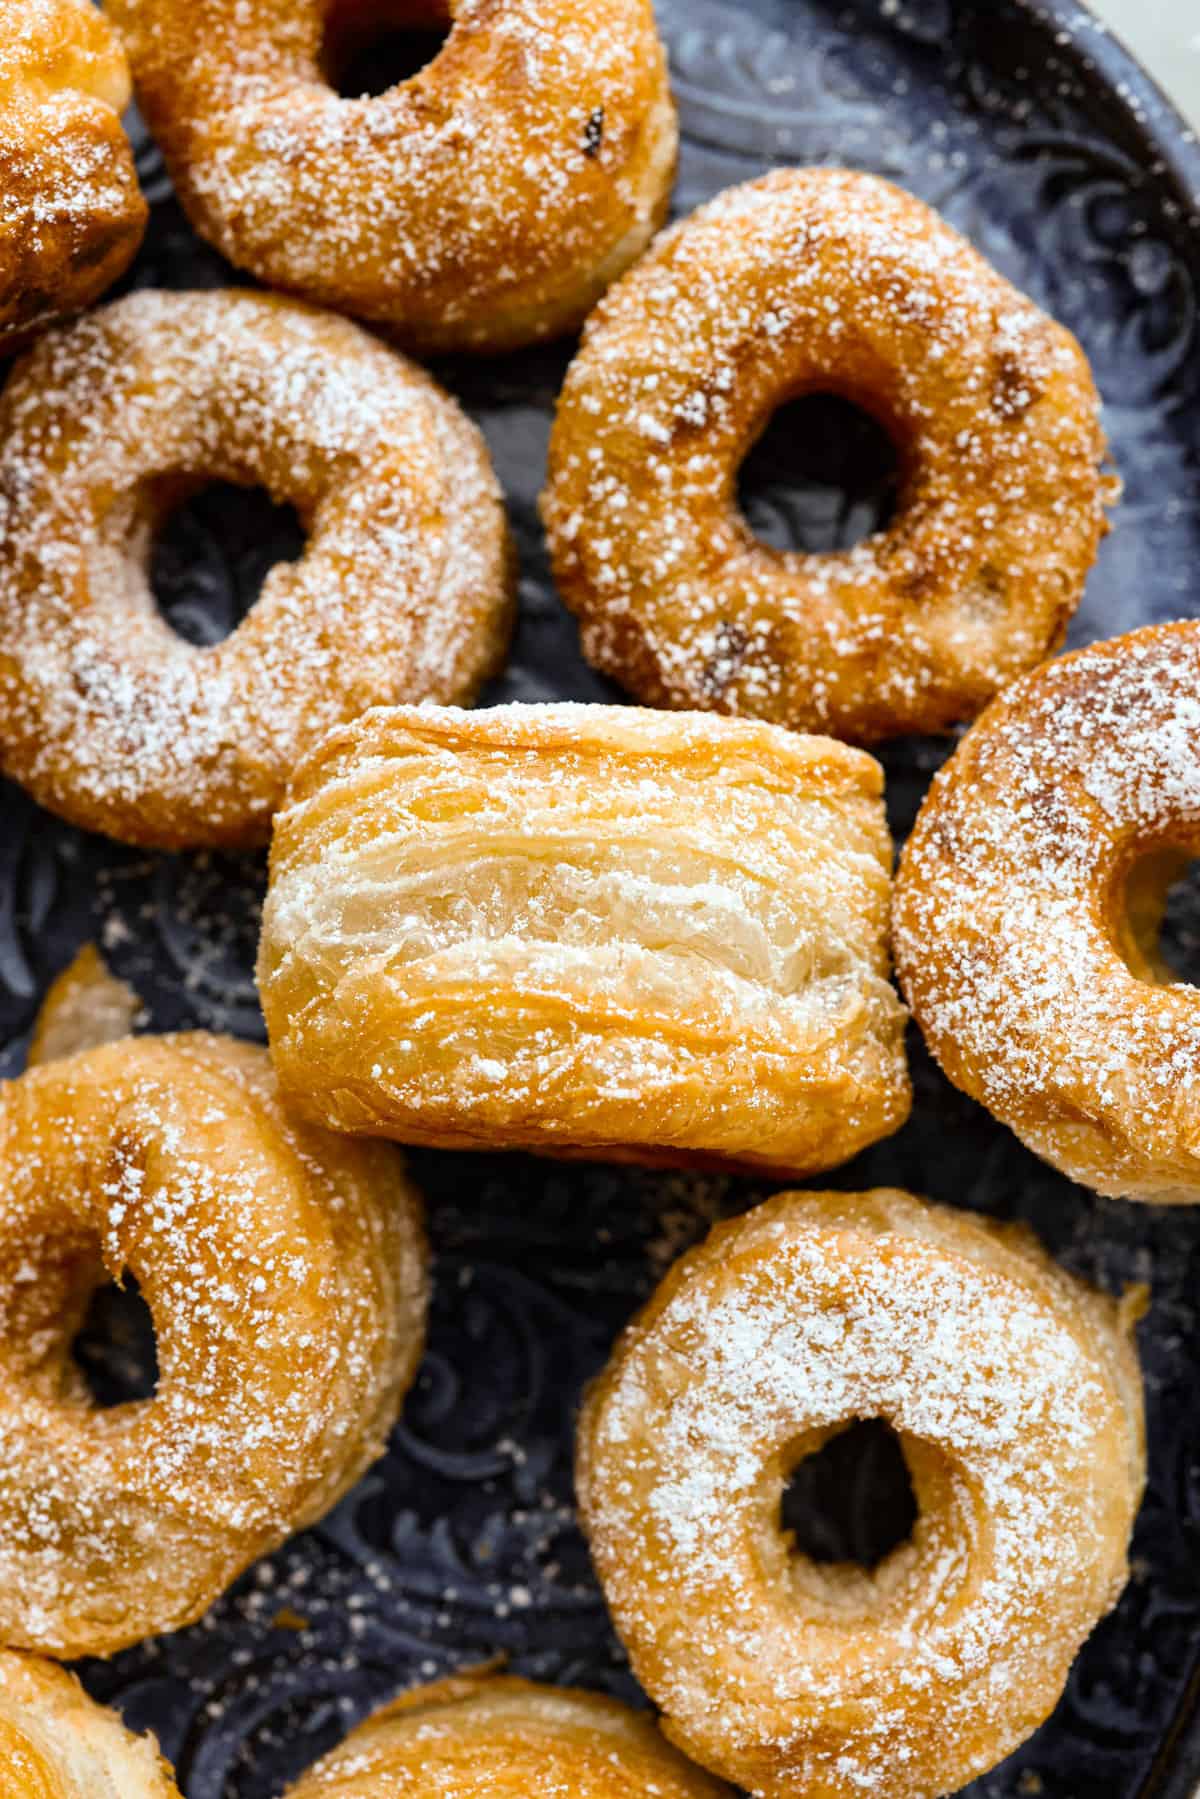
(588, 930)
(85, 1007)
(56, 1743)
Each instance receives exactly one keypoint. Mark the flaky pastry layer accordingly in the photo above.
(56, 1743)
(588, 930)
(85, 1006)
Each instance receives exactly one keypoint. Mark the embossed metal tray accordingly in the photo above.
(1030, 129)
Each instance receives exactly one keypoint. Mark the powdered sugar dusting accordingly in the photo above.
(286, 1280)
(1013, 933)
(403, 592)
(1017, 1403)
(830, 281)
(475, 1737)
(71, 216)
(483, 203)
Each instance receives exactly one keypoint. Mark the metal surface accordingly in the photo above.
(1031, 131)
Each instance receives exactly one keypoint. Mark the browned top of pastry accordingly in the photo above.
(496, 1737)
(1028, 905)
(71, 214)
(823, 280)
(484, 202)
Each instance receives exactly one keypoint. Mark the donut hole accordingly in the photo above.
(213, 545)
(368, 48)
(115, 1348)
(823, 475)
(1159, 918)
(851, 1502)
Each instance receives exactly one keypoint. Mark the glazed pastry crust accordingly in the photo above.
(72, 215)
(56, 1743)
(492, 1736)
(1015, 1392)
(823, 280)
(404, 591)
(483, 204)
(586, 930)
(1028, 907)
(285, 1273)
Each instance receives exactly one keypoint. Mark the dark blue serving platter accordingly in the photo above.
(1032, 131)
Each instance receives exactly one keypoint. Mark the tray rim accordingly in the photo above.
(1176, 143)
(1139, 95)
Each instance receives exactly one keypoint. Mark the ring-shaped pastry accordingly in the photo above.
(73, 214)
(484, 203)
(823, 281)
(496, 1737)
(404, 592)
(1028, 906)
(586, 930)
(56, 1743)
(285, 1274)
(1015, 1393)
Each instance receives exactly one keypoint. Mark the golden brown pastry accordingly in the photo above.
(1029, 904)
(586, 930)
(85, 1007)
(285, 1273)
(829, 281)
(484, 203)
(72, 215)
(1015, 1392)
(495, 1737)
(56, 1743)
(404, 592)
